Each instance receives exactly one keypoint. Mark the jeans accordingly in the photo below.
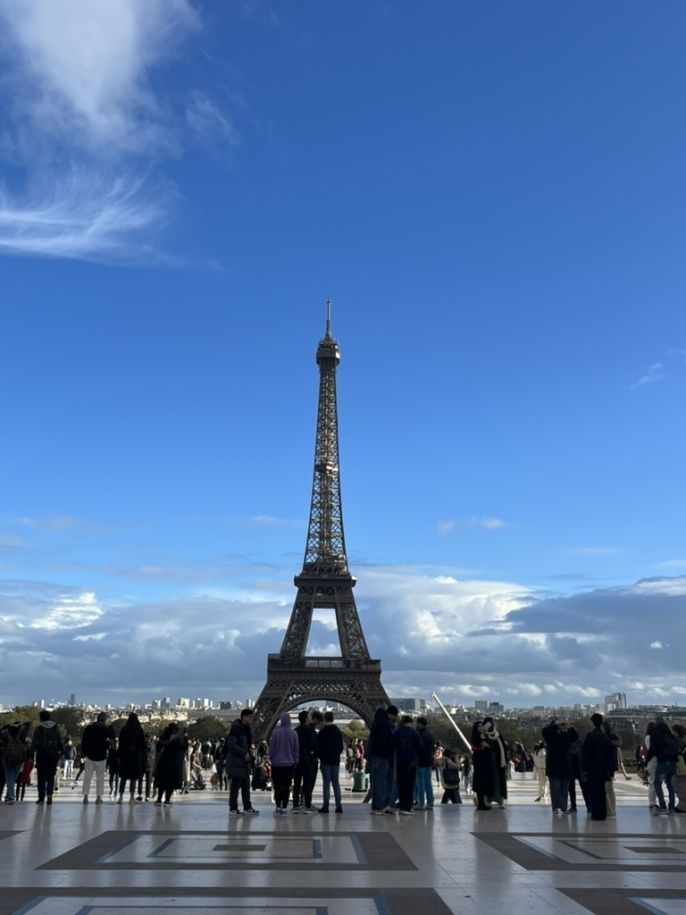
(68, 768)
(11, 776)
(425, 790)
(330, 779)
(97, 767)
(666, 771)
(559, 789)
(382, 782)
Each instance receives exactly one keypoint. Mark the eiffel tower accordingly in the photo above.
(294, 678)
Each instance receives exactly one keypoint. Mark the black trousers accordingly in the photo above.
(45, 779)
(406, 776)
(595, 796)
(303, 784)
(243, 784)
(282, 777)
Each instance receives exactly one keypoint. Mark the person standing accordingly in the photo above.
(171, 750)
(238, 762)
(407, 744)
(284, 752)
(329, 749)
(680, 777)
(13, 750)
(611, 802)
(132, 754)
(597, 765)
(559, 738)
(307, 763)
(47, 747)
(483, 779)
(664, 746)
(381, 755)
(94, 747)
(539, 755)
(69, 757)
(425, 759)
(500, 762)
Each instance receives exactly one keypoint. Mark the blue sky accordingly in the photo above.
(493, 197)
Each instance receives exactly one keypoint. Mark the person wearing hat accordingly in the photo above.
(94, 745)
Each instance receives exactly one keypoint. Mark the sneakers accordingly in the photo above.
(252, 812)
(420, 807)
(390, 810)
(98, 800)
(406, 813)
(298, 809)
(233, 813)
(48, 800)
(377, 813)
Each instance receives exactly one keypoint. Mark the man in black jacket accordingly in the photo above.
(559, 738)
(597, 766)
(47, 745)
(381, 756)
(94, 746)
(303, 780)
(329, 749)
(239, 761)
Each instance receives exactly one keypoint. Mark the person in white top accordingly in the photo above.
(539, 771)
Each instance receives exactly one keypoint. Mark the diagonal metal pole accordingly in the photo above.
(452, 721)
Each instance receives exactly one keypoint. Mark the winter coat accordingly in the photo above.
(407, 744)
(664, 746)
(131, 751)
(307, 741)
(46, 743)
(94, 740)
(558, 763)
(171, 749)
(381, 735)
(425, 755)
(598, 756)
(238, 743)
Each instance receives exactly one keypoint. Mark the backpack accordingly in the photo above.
(50, 745)
(15, 753)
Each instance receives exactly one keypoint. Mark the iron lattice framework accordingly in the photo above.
(293, 678)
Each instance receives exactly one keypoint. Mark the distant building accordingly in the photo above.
(412, 704)
(615, 702)
(496, 709)
(481, 706)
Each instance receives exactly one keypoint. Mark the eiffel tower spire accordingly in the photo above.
(325, 582)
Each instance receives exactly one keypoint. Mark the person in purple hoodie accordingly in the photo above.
(284, 752)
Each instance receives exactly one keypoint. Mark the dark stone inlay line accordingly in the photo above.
(620, 899)
(655, 850)
(533, 859)
(375, 851)
(389, 901)
(239, 848)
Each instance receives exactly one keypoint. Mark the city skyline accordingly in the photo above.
(492, 198)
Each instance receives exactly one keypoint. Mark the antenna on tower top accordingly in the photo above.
(328, 317)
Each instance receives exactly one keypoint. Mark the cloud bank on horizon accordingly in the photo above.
(466, 639)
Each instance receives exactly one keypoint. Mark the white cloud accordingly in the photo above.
(652, 375)
(210, 125)
(468, 638)
(487, 523)
(85, 124)
(592, 551)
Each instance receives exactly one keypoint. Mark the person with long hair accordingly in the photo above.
(131, 756)
(171, 750)
(483, 782)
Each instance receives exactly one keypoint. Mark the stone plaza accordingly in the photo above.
(112, 859)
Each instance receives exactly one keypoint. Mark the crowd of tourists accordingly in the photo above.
(396, 767)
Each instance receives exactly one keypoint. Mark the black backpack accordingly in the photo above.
(50, 745)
